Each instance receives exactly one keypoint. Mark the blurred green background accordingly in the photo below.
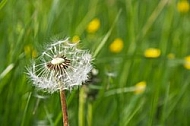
(141, 52)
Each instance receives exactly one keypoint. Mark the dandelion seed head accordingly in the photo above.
(61, 66)
(57, 61)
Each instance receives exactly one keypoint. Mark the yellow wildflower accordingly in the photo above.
(34, 54)
(93, 26)
(183, 6)
(29, 51)
(152, 53)
(171, 56)
(140, 87)
(116, 46)
(187, 62)
(75, 39)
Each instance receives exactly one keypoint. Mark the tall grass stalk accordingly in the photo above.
(25, 110)
(81, 107)
(105, 38)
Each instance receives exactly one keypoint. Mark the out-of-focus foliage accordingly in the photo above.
(123, 59)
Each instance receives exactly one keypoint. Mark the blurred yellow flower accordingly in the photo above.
(29, 51)
(75, 39)
(116, 46)
(183, 6)
(152, 53)
(171, 56)
(187, 62)
(93, 26)
(140, 87)
(34, 54)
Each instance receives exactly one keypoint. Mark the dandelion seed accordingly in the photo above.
(93, 26)
(61, 66)
(116, 46)
(152, 53)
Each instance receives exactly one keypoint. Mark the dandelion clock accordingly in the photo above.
(60, 67)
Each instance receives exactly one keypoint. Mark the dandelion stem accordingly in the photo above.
(64, 108)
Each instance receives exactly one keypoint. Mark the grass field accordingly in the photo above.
(141, 51)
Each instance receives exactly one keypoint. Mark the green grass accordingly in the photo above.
(140, 24)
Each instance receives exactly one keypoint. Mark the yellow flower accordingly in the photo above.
(140, 87)
(171, 56)
(93, 26)
(75, 39)
(29, 51)
(34, 54)
(187, 62)
(183, 6)
(152, 53)
(116, 46)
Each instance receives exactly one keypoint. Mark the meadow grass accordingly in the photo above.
(111, 98)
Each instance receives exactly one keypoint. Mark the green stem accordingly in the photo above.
(81, 107)
(26, 108)
(89, 116)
